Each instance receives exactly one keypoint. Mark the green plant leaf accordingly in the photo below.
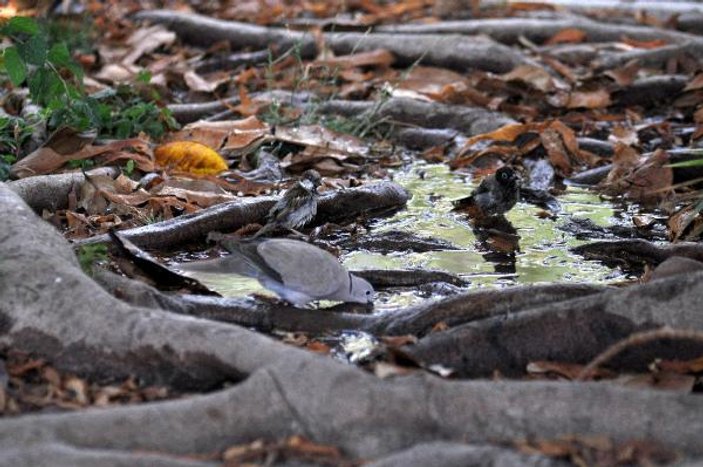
(21, 24)
(59, 55)
(39, 86)
(35, 50)
(129, 167)
(692, 163)
(15, 66)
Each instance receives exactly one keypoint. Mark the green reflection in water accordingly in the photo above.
(543, 255)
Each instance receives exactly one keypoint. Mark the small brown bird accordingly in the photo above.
(495, 195)
(297, 207)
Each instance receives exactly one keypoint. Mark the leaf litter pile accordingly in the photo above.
(131, 129)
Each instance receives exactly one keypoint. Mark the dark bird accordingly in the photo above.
(496, 195)
(296, 207)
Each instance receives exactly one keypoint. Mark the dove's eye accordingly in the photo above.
(368, 292)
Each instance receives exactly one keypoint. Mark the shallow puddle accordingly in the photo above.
(543, 254)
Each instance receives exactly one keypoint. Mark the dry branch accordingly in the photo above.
(450, 51)
(638, 252)
(234, 215)
(51, 191)
(538, 30)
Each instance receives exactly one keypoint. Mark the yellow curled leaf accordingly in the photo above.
(191, 157)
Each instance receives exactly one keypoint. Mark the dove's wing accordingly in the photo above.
(304, 267)
(245, 260)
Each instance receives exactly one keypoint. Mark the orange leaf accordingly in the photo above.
(653, 44)
(191, 157)
(505, 133)
(378, 57)
(569, 35)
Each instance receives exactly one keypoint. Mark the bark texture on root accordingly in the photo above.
(416, 320)
(369, 418)
(461, 455)
(538, 30)
(50, 308)
(468, 120)
(62, 455)
(465, 120)
(451, 51)
(637, 252)
(572, 331)
(339, 206)
(51, 192)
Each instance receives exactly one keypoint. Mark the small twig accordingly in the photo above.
(636, 339)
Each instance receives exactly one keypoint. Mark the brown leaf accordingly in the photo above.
(535, 76)
(378, 57)
(317, 137)
(678, 366)
(566, 370)
(430, 81)
(46, 159)
(695, 83)
(661, 380)
(399, 341)
(698, 118)
(304, 446)
(651, 44)
(598, 99)
(318, 347)
(22, 367)
(231, 136)
(146, 40)
(652, 180)
(505, 133)
(385, 370)
(197, 83)
(567, 36)
(552, 142)
(79, 389)
(624, 135)
(626, 74)
(687, 223)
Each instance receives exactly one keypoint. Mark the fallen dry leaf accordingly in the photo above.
(651, 44)
(535, 76)
(378, 57)
(567, 36)
(686, 224)
(598, 99)
(191, 157)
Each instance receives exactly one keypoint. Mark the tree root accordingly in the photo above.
(637, 252)
(334, 207)
(51, 192)
(51, 309)
(448, 51)
(571, 331)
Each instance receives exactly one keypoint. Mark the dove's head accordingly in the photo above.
(360, 291)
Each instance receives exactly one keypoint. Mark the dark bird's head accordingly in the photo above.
(311, 180)
(506, 177)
